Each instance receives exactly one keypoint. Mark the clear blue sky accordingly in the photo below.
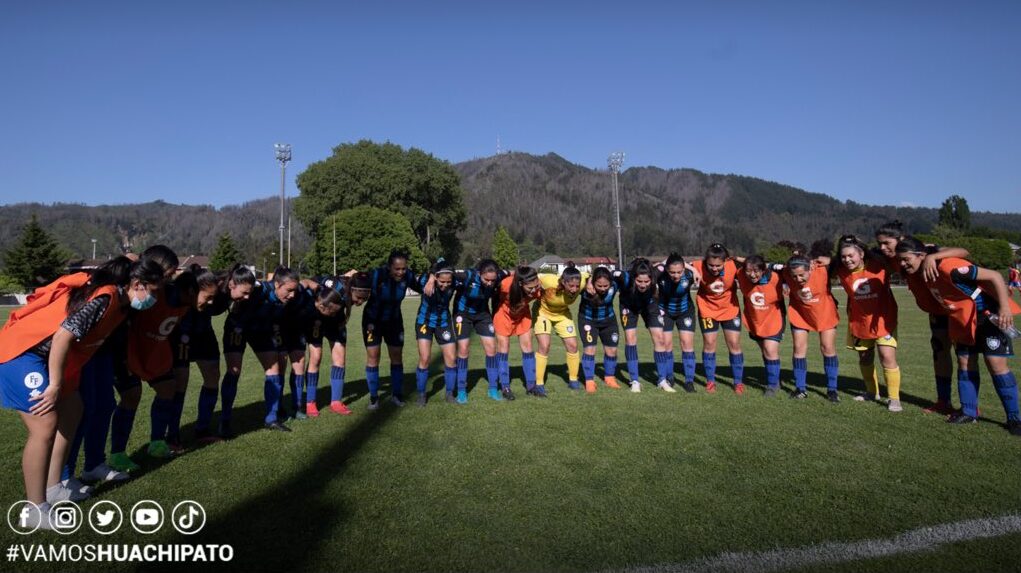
(881, 102)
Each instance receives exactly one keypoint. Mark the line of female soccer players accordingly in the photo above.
(85, 336)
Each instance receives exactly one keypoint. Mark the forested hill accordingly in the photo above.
(546, 202)
(567, 208)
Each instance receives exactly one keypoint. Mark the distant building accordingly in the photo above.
(549, 263)
(83, 265)
(200, 260)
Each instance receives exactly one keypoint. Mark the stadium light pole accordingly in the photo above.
(615, 160)
(93, 249)
(283, 152)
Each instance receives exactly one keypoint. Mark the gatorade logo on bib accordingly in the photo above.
(758, 299)
(167, 326)
(717, 287)
(33, 380)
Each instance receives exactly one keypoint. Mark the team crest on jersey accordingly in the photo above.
(614, 337)
(491, 329)
(400, 337)
(167, 326)
(717, 287)
(459, 319)
(370, 327)
(237, 330)
(446, 335)
(328, 283)
(737, 321)
(185, 338)
(963, 270)
(684, 284)
(993, 343)
(588, 327)
(688, 322)
(33, 380)
(570, 330)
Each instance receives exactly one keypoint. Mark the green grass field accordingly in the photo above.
(579, 482)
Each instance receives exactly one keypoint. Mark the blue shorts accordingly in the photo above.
(24, 377)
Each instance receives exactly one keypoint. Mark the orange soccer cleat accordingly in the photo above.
(611, 381)
(340, 408)
(311, 410)
(590, 386)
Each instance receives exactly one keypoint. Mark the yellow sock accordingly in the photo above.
(540, 368)
(868, 374)
(573, 365)
(892, 377)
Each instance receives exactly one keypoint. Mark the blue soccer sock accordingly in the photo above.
(207, 403)
(311, 387)
(588, 366)
(421, 379)
(120, 429)
(528, 368)
(372, 380)
(160, 413)
(504, 368)
(462, 373)
(99, 425)
(609, 366)
(801, 373)
(296, 390)
(967, 387)
(174, 421)
(228, 392)
(450, 378)
(688, 361)
(272, 389)
(831, 365)
(709, 366)
(631, 356)
(737, 367)
(492, 372)
(773, 373)
(944, 392)
(336, 383)
(397, 379)
(1006, 389)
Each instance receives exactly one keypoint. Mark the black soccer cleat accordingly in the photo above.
(277, 427)
(832, 396)
(507, 394)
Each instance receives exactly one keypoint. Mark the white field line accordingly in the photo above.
(916, 540)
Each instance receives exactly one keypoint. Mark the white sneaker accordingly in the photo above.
(666, 387)
(894, 406)
(636, 387)
(68, 490)
(104, 473)
(865, 397)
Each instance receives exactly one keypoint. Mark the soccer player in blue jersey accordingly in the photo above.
(598, 323)
(350, 290)
(433, 321)
(637, 287)
(382, 322)
(673, 287)
(475, 292)
(256, 323)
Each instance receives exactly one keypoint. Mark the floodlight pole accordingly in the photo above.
(93, 249)
(283, 154)
(615, 160)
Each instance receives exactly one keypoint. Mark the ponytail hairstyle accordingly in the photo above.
(205, 278)
(893, 229)
(119, 272)
(853, 241)
(517, 290)
(239, 275)
(910, 244)
(569, 273)
(361, 281)
(284, 274)
(756, 262)
(162, 255)
(673, 259)
(716, 251)
(441, 267)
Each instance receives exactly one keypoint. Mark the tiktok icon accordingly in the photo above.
(188, 517)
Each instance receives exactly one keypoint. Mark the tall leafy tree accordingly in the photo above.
(955, 214)
(365, 237)
(226, 254)
(36, 259)
(424, 189)
(505, 250)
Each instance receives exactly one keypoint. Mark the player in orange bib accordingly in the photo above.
(762, 290)
(871, 317)
(888, 236)
(513, 317)
(43, 346)
(813, 309)
(718, 307)
(981, 314)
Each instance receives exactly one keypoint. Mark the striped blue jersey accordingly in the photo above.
(434, 311)
(262, 309)
(675, 298)
(630, 298)
(473, 298)
(387, 294)
(598, 308)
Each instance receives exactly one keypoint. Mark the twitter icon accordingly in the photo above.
(105, 517)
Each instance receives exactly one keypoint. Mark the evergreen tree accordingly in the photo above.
(36, 259)
(955, 214)
(226, 254)
(505, 250)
